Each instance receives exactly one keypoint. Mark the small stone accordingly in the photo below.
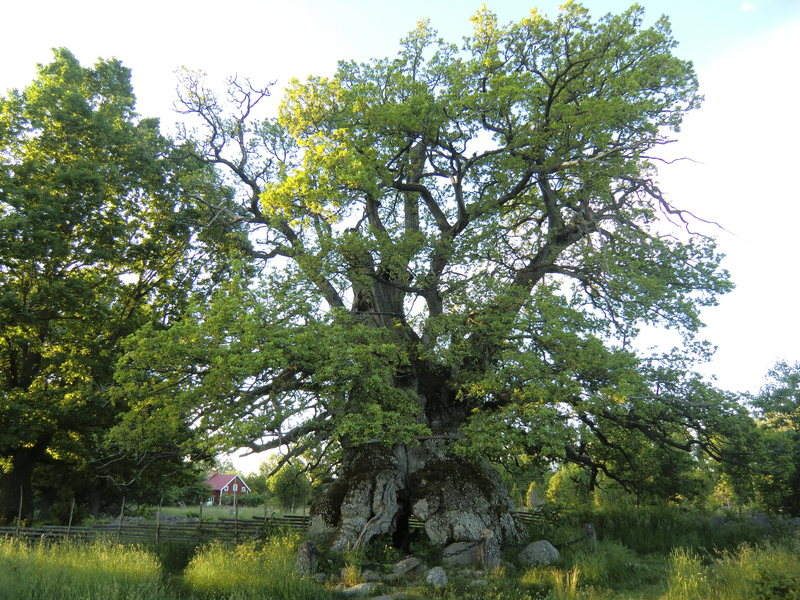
(436, 577)
(362, 589)
(541, 552)
(406, 565)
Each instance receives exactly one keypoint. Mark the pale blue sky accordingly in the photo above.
(745, 136)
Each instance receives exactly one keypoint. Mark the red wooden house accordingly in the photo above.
(225, 485)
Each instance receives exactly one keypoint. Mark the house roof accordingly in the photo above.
(219, 480)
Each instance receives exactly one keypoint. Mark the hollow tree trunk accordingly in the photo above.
(381, 487)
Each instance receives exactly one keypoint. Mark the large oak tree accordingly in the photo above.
(458, 246)
(98, 235)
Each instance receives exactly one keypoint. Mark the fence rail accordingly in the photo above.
(223, 529)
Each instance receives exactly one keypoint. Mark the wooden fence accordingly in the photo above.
(227, 530)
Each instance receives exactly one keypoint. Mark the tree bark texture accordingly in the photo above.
(381, 487)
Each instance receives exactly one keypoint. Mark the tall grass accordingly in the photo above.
(770, 572)
(646, 529)
(63, 571)
(251, 571)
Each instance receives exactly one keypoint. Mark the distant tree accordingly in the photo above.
(98, 236)
(534, 496)
(290, 485)
(569, 487)
(778, 411)
(458, 246)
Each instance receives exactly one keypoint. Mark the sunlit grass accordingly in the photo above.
(253, 570)
(102, 571)
(770, 572)
(267, 570)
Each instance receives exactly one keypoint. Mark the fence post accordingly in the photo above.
(69, 523)
(236, 519)
(158, 519)
(121, 513)
(200, 524)
(19, 512)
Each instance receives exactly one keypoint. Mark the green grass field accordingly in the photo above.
(642, 555)
(228, 512)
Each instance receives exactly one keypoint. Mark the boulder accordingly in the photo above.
(307, 558)
(369, 575)
(488, 551)
(405, 566)
(761, 520)
(540, 552)
(436, 577)
(718, 521)
(590, 535)
(460, 554)
(362, 589)
(424, 508)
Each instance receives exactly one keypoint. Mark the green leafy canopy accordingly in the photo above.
(456, 241)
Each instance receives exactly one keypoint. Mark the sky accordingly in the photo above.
(743, 142)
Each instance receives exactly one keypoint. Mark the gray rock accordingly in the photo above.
(761, 520)
(436, 577)
(362, 589)
(488, 551)
(320, 531)
(307, 558)
(405, 566)
(541, 552)
(462, 502)
(369, 575)
(590, 535)
(423, 509)
(718, 521)
(460, 554)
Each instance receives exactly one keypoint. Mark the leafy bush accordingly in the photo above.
(252, 499)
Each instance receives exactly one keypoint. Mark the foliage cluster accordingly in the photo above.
(466, 236)
(99, 235)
